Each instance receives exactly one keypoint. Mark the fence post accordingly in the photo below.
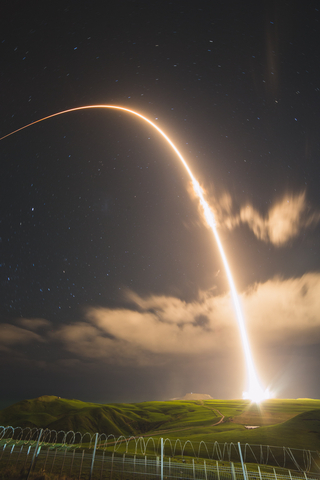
(19, 454)
(34, 453)
(4, 447)
(45, 462)
(53, 460)
(161, 459)
(71, 462)
(218, 473)
(242, 464)
(62, 465)
(193, 469)
(112, 456)
(245, 466)
(145, 467)
(25, 462)
(36, 459)
(259, 472)
(275, 475)
(93, 455)
(81, 464)
(123, 460)
(9, 457)
(205, 469)
(102, 464)
(233, 472)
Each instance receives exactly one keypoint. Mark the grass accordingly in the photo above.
(293, 423)
(69, 466)
(12, 473)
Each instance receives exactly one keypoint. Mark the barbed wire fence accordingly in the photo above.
(123, 458)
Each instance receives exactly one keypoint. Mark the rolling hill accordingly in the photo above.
(293, 423)
(56, 413)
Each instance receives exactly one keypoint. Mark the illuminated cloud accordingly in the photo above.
(11, 335)
(283, 221)
(34, 323)
(284, 311)
(157, 328)
(172, 328)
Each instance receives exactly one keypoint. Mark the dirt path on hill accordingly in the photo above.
(189, 428)
(160, 432)
(176, 430)
(221, 419)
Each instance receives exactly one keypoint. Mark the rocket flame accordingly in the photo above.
(255, 391)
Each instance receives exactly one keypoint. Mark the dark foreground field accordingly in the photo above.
(292, 423)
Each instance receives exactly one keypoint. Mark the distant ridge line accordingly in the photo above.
(194, 396)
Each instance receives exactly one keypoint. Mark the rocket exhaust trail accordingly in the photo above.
(255, 391)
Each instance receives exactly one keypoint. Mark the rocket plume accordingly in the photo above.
(255, 391)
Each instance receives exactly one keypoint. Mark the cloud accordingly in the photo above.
(157, 329)
(34, 323)
(123, 335)
(11, 335)
(284, 311)
(284, 220)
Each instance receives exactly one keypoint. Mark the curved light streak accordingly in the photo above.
(255, 391)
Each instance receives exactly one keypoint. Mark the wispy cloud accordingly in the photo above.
(34, 323)
(125, 335)
(157, 328)
(283, 221)
(11, 335)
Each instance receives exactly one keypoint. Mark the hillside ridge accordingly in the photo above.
(292, 423)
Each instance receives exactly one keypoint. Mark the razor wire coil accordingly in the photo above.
(303, 460)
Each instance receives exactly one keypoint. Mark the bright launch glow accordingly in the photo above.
(255, 391)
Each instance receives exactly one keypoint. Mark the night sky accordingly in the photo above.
(112, 287)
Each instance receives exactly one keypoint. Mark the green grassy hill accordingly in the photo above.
(119, 419)
(302, 431)
(292, 423)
